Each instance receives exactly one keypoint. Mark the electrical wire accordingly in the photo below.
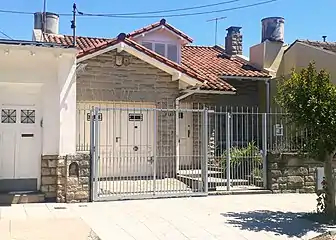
(149, 16)
(172, 10)
(6, 35)
(182, 14)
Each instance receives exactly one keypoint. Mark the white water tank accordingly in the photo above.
(52, 22)
(273, 29)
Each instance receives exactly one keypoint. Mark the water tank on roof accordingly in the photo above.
(52, 22)
(273, 29)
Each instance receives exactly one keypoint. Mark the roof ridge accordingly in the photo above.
(199, 46)
(66, 35)
(317, 41)
(162, 22)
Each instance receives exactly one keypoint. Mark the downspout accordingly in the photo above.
(267, 83)
(177, 124)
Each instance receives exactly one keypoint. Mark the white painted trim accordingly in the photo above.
(172, 71)
(121, 47)
(57, 50)
(165, 28)
(97, 53)
(210, 92)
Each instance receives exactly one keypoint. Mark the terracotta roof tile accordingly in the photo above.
(84, 44)
(162, 22)
(330, 46)
(212, 62)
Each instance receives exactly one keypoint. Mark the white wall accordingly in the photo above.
(67, 105)
(46, 70)
(160, 35)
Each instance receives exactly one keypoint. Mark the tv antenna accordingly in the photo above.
(73, 22)
(216, 25)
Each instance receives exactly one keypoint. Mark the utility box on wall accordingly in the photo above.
(319, 178)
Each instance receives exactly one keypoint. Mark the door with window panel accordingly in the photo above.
(20, 144)
(134, 141)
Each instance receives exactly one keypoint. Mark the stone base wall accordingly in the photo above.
(66, 179)
(49, 176)
(289, 173)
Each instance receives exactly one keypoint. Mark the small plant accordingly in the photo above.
(238, 155)
(257, 172)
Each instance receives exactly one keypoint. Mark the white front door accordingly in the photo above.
(134, 142)
(125, 137)
(186, 138)
(20, 146)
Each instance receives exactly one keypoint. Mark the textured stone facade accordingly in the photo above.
(78, 183)
(49, 176)
(60, 184)
(288, 173)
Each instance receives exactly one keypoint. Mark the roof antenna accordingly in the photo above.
(324, 38)
(216, 26)
(73, 22)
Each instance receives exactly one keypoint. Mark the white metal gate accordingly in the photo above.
(237, 149)
(137, 153)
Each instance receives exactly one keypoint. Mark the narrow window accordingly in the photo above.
(160, 48)
(172, 52)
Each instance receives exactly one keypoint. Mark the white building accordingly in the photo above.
(38, 109)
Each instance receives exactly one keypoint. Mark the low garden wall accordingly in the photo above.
(66, 179)
(290, 173)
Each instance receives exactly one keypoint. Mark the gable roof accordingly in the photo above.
(208, 65)
(164, 23)
(328, 46)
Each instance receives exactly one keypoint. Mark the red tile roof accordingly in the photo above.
(85, 45)
(206, 64)
(212, 62)
(162, 22)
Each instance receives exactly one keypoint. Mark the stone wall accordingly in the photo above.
(66, 179)
(49, 177)
(289, 173)
(78, 180)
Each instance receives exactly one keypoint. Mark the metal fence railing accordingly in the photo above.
(236, 142)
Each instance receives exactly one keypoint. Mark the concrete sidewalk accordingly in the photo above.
(42, 221)
(235, 217)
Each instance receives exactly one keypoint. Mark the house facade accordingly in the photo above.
(38, 103)
(152, 88)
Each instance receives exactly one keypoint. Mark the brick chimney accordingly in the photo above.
(234, 41)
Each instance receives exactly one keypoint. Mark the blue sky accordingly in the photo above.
(305, 19)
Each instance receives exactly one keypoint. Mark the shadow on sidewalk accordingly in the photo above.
(281, 223)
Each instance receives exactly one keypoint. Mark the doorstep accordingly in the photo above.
(8, 198)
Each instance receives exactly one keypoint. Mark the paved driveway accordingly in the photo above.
(215, 217)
